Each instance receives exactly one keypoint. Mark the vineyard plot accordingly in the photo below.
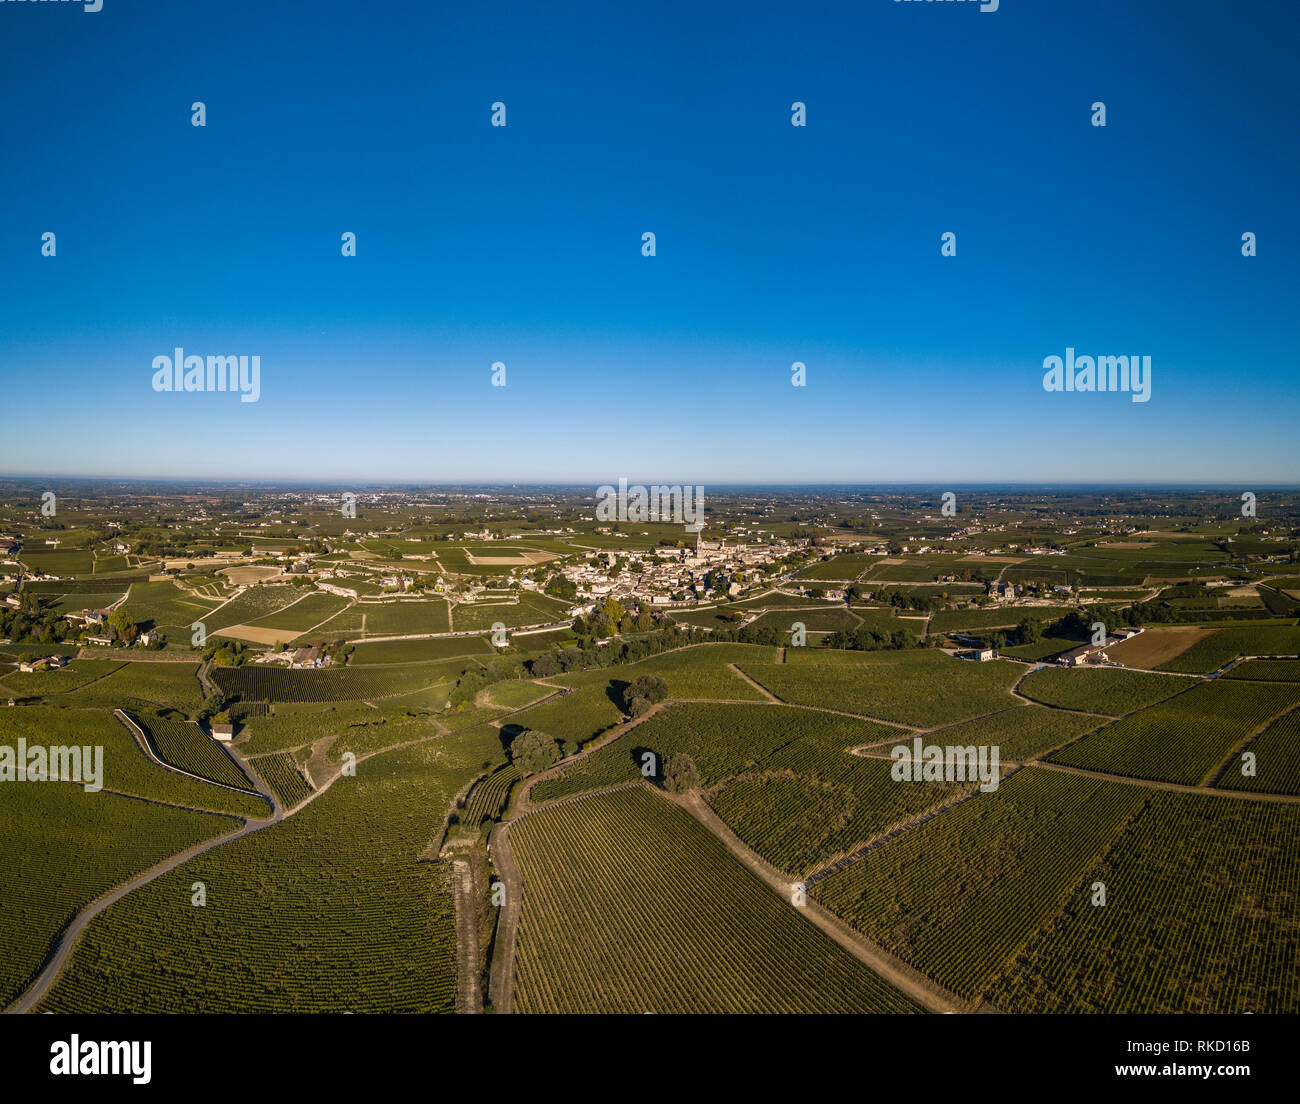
(958, 895)
(293, 911)
(186, 746)
(1184, 738)
(631, 905)
(1202, 895)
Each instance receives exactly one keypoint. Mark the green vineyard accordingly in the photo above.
(631, 905)
(1184, 738)
(280, 773)
(63, 848)
(186, 746)
(958, 895)
(921, 688)
(291, 912)
(1113, 691)
(1276, 753)
(282, 684)
(1202, 895)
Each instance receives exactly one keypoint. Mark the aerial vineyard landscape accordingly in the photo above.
(642, 769)
(649, 510)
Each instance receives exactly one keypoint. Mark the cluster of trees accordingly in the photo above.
(532, 751)
(212, 708)
(863, 639)
(122, 626)
(681, 774)
(613, 618)
(229, 653)
(562, 588)
(912, 600)
(639, 696)
(30, 622)
(749, 634)
(468, 686)
(588, 655)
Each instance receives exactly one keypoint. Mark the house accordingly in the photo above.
(44, 663)
(1085, 654)
(306, 657)
(104, 640)
(979, 655)
(223, 731)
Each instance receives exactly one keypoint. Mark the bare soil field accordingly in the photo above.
(249, 573)
(1156, 646)
(521, 559)
(256, 635)
(205, 561)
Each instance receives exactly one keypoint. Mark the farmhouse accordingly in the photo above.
(45, 663)
(1087, 653)
(307, 657)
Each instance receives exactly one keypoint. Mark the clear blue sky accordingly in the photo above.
(775, 244)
